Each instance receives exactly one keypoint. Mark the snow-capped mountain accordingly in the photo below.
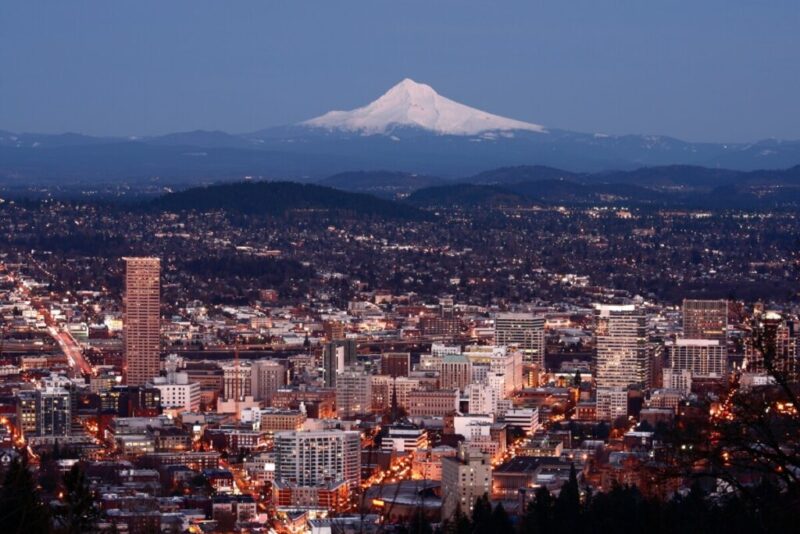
(409, 129)
(416, 105)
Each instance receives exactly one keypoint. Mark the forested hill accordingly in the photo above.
(277, 198)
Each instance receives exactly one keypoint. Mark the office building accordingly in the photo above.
(335, 356)
(526, 419)
(456, 372)
(53, 412)
(404, 438)
(705, 319)
(772, 346)
(677, 380)
(266, 377)
(432, 403)
(465, 477)
(622, 357)
(237, 381)
(333, 330)
(703, 357)
(142, 320)
(439, 326)
(318, 457)
(395, 364)
(524, 330)
(353, 392)
(385, 388)
(176, 391)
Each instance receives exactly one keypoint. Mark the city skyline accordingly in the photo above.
(448, 267)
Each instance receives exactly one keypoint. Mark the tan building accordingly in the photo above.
(456, 372)
(278, 420)
(267, 377)
(432, 403)
(465, 477)
(333, 330)
(427, 463)
(236, 380)
(142, 319)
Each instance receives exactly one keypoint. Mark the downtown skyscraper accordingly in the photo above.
(142, 319)
(622, 357)
(705, 319)
(524, 330)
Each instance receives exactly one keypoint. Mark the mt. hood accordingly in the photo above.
(417, 105)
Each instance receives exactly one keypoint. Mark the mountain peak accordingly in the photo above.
(417, 105)
(412, 88)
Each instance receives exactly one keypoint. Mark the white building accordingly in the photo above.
(176, 391)
(404, 439)
(678, 379)
(353, 392)
(525, 418)
(319, 457)
(703, 357)
(474, 427)
(622, 357)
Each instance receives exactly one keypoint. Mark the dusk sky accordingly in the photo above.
(701, 71)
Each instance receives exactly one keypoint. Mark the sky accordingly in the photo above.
(705, 70)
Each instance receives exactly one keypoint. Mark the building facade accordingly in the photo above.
(622, 357)
(142, 319)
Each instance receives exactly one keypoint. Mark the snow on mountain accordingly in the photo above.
(417, 105)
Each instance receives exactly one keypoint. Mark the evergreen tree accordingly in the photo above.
(568, 504)
(77, 513)
(482, 515)
(458, 524)
(21, 508)
(500, 520)
(538, 516)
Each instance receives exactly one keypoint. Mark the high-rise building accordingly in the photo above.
(622, 357)
(318, 457)
(26, 412)
(456, 372)
(142, 320)
(524, 330)
(333, 330)
(353, 392)
(705, 319)
(772, 347)
(395, 364)
(267, 377)
(53, 412)
(237, 381)
(465, 477)
(703, 357)
(335, 356)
